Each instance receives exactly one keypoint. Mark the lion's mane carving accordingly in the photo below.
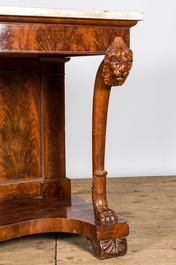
(117, 63)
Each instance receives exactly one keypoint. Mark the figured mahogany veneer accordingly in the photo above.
(19, 126)
(35, 193)
(44, 38)
(68, 213)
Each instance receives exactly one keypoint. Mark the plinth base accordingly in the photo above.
(67, 213)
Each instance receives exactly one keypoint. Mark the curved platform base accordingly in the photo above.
(67, 213)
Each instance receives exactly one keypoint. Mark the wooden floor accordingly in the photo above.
(148, 203)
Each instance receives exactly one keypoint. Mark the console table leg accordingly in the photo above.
(113, 71)
(103, 214)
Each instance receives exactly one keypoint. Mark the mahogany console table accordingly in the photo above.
(35, 193)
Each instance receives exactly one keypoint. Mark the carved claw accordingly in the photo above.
(107, 216)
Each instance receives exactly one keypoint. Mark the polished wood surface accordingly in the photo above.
(42, 39)
(67, 213)
(113, 71)
(35, 193)
(53, 118)
(32, 129)
(76, 36)
(15, 190)
(70, 21)
(55, 187)
(147, 202)
(19, 126)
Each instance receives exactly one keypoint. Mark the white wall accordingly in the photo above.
(141, 136)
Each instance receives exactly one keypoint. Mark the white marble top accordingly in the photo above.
(69, 13)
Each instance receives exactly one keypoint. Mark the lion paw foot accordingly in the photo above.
(107, 216)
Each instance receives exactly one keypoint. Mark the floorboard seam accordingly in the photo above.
(55, 248)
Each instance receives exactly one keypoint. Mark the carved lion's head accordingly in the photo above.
(117, 64)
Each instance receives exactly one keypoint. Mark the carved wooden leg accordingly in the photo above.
(103, 214)
(109, 248)
(113, 71)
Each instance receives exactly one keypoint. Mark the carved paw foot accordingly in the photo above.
(109, 248)
(106, 216)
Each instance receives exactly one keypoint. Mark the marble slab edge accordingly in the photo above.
(69, 13)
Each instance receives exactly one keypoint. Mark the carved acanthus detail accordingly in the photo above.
(117, 63)
(114, 246)
(109, 248)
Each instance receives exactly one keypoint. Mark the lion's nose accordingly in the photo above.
(123, 67)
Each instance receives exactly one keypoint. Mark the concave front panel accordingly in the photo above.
(19, 126)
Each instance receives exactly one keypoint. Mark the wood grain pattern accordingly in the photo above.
(19, 127)
(103, 214)
(67, 213)
(22, 190)
(68, 21)
(32, 130)
(152, 233)
(21, 81)
(67, 39)
(56, 187)
(113, 71)
(54, 121)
